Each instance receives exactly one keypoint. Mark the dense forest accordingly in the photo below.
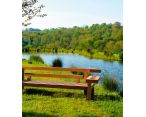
(96, 41)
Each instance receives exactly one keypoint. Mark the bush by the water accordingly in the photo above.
(120, 91)
(36, 58)
(57, 62)
(110, 84)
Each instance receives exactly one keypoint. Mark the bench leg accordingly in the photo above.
(29, 78)
(92, 94)
(22, 77)
(85, 91)
(89, 92)
(22, 87)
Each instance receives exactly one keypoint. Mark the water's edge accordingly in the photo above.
(113, 69)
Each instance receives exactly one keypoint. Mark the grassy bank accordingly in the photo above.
(94, 54)
(52, 102)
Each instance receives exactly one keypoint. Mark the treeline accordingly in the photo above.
(97, 41)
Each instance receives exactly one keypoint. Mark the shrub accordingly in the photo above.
(120, 91)
(29, 62)
(110, 84)
(36, 58)
(57, 62)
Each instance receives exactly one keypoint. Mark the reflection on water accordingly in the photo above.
(113, 69)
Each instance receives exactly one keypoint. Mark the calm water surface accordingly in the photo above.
(113, 69)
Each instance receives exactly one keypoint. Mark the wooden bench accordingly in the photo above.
(87, 85)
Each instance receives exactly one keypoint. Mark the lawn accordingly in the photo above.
(53, 102)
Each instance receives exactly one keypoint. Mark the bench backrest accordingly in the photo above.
(85, 72)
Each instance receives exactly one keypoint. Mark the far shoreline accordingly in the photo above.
(88, 55)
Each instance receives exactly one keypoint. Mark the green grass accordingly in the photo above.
(53, 102)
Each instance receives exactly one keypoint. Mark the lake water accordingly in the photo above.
(113, 69)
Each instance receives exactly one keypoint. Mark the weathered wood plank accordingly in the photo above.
(86, 75)
(89, 91)
(55, 84)
(92, 79)
(54, 75)
(62, 69)
(95, 70)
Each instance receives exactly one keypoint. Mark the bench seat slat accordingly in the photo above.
(55, 84)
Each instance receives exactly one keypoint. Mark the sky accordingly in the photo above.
(69, 13)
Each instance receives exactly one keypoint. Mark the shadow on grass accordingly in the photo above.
(35, 114)
(39, 92)
(107, 97)
(51, 93)
(85, 114)
(56, 94)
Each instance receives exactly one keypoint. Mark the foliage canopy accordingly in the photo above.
(106, 38)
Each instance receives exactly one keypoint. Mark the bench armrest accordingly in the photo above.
(92, 79)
